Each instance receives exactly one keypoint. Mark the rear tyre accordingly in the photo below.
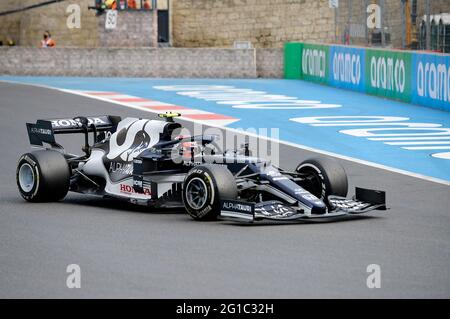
(203, 189)
(43, 176)
(324, 177)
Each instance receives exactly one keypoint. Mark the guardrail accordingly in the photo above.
(408, 76)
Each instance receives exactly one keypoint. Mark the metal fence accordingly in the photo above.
(402, 24)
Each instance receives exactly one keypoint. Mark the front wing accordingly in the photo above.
(365, 200)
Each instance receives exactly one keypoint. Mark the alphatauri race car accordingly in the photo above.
(146, 163)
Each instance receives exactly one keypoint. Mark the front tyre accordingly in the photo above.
(323, 177)
(43, 176)
(203, 189)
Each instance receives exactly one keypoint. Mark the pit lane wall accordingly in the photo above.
(412, 77)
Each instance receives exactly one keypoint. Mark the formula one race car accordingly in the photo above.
(145, 162)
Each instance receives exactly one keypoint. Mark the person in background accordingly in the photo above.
(47, 41)
(147, 4)
(132, 4)
(111, 4)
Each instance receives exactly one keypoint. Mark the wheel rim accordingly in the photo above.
(196, 193)
(26, 178)
(314, 181)
(315, 184)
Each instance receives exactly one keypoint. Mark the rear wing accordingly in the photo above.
(44, 130)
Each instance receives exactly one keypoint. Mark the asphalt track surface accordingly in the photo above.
(133, 252)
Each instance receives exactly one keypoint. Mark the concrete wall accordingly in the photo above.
(270, 63)
(266, 23)
(143, 62)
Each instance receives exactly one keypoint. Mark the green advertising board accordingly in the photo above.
(292, 60)
(406, 76)
(314, 63)
(388, 74)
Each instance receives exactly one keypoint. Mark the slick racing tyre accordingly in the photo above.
(43, 176)
(203, 189)
(324, 177)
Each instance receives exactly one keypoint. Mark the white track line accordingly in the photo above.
(419, 143)
(427, 148)
(429, 138)
(303, 147)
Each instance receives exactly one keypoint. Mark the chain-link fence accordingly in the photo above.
(407, 24)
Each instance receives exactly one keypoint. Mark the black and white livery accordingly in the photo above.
(145, 162)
